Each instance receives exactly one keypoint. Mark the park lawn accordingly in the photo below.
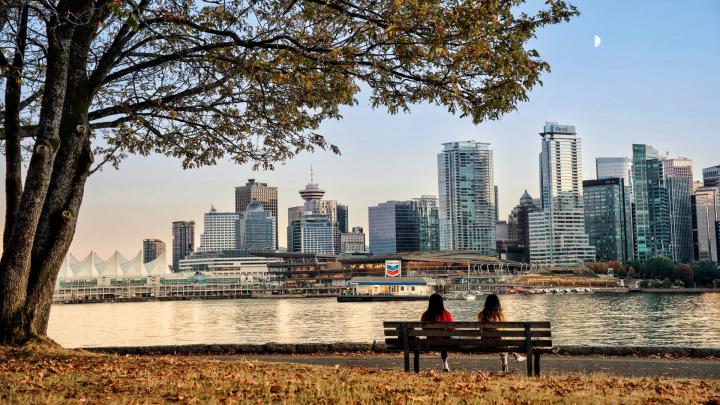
(38, 374)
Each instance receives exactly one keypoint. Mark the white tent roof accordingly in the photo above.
(93, 266)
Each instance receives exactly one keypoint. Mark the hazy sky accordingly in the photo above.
(654, 79)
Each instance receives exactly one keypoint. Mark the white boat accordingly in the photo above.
(469, 297)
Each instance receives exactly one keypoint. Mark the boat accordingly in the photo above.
(385, 298)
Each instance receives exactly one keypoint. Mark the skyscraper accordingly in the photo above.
(497, 203)
(343, 218)
(426, 211)
(393, 228)
(557, 233)
(219, 231)
(608, 218)
(152, 248)
(711, 176)
(614, 167)
(313, 233)
(706, 220)
(519, 225)
(467, 197)
(679, 181)
(253, 191)
(256, 229)
(652, 213)
(183, 241)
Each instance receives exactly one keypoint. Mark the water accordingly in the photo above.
(592, 319)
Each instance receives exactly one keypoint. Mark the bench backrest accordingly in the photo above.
(510, 336)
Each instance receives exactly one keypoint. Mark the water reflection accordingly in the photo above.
(623, 319)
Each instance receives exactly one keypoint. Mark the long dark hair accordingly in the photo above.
(435, 309)
(492, 312)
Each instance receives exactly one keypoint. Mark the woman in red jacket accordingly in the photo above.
(436, 312)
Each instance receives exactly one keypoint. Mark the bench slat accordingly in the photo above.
(470, 332)
(465, 344)
(504, 325)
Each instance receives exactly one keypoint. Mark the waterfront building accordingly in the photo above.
(353, 242)
(614, 167)
(393, 228)
(219, 231)
(467, 207)
(313, 233)
(248, 268)
(426, 211)
(557, 233)
(266, 195)
(519, 226)
(608, 218)
(706, 223)
(256, 229)
(314, 204)
(711, 176)
(652, 211)
(152, 248)
(679, 181)
(183, 241)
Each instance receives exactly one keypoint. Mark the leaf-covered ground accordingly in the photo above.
(42, 375)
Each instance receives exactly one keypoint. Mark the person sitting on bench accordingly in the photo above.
(436, 312)
(492, 312)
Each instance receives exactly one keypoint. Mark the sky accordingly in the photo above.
(654, 79)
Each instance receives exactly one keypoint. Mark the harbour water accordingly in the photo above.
(691, 320)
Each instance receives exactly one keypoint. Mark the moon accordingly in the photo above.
(598, 41)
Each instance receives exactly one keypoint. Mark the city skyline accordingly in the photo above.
(646, 83)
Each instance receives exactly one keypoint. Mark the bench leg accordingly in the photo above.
(416, 362)
(406, 361)
(536, 364)
(529, 363)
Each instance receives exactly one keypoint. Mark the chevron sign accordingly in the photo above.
(393, 268)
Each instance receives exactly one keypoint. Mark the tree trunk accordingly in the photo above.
(15, 262)
(27, 296)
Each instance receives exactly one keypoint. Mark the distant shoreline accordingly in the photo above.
(612, 290)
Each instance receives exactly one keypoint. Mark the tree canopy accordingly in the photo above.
(90, 82)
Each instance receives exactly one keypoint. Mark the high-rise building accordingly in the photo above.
(519, 225)
(256, 229)
(183, 241)
(353, 242)
(313, 233)
(679, 181)
(614, 167)
(266, 195)
(426, 211)
(219, 231)
(711, 176)
(393, 228)
(466, 197)
(652, 211)
(706, 222)
(608, 218)
(152, 248)
(343, 218)
(557, 233)
(295, 213)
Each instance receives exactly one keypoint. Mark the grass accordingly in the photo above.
(54, 375)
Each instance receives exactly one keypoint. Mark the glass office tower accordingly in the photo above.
(394, 228)
(467, 197)
(652, 212)
(608, 218)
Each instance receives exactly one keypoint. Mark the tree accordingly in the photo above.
(705, 272)
(658, 267)
(685, 274)
(87, 83)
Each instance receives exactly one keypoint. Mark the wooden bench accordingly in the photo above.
(528, 338)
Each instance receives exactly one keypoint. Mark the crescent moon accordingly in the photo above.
(598, 41)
